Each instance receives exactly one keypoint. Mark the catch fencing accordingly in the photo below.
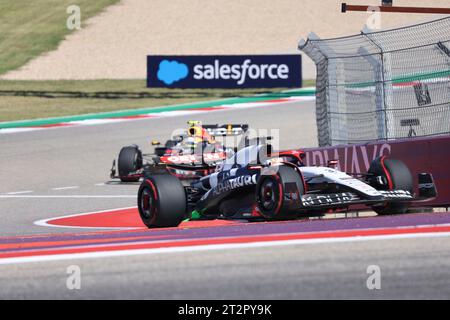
(382, 85)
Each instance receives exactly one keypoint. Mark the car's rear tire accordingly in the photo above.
(278, 192)
(396, 176)
(162, 201)
(130, 160)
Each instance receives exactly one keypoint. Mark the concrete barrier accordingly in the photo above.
(420, 154)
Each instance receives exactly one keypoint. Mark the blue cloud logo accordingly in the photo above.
(172, 71)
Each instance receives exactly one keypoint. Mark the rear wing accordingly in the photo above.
(226, 129)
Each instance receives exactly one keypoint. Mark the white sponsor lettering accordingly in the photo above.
(240, 73)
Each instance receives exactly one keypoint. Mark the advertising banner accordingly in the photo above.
(224, 71)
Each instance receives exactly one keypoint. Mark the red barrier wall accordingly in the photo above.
(420, 154)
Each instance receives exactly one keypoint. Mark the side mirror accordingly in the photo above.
(155, 143)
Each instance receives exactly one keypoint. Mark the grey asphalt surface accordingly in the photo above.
(41, 160)
(409, 269)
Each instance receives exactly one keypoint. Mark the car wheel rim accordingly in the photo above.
(147, 203)
(268, 195)
(135, 161)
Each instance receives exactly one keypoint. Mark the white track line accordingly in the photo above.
(65, 188)
(19, 192)
(15, 130)
(121, 253)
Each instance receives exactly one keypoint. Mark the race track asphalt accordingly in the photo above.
(409, 269)
(47, 169)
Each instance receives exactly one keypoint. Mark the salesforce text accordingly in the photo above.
(240, 72)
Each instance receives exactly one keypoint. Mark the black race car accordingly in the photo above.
(188, 156)
(256, 183)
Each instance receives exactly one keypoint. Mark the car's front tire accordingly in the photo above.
(130, 160)
(396, 176)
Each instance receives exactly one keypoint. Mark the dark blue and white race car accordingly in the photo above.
(258, 183)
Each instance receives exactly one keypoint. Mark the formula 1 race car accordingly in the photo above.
(258, 184)
(188, 156)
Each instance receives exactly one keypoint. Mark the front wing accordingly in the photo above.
(427, 191)
(331, 200)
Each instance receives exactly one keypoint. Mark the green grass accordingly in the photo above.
(21, 100)
(30, 28)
